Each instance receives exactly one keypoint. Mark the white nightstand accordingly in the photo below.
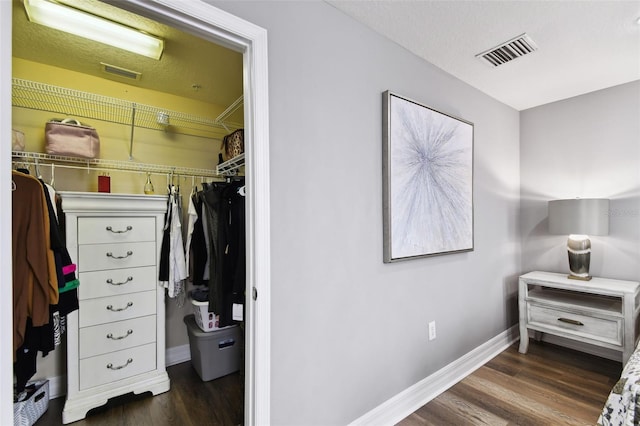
(600, 312)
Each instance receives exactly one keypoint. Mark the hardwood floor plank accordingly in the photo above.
(189, 402)
(550, 385)
(462, 408)
(552, 398)
(500, 403)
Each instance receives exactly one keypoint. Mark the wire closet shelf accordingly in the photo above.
(228, 168)
(78, 104)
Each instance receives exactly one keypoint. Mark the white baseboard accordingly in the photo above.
(178, 354)
(406, 402)
(57, 386)
(175, 355)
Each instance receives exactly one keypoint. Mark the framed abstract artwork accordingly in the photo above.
(427, 181)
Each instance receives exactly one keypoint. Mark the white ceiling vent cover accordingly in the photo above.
(120, 72)
(508, 51)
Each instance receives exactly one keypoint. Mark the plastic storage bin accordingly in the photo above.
(206, 320)
(215, 353)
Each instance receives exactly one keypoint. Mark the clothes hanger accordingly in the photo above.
(53, 174)
(193, 186)
(37, 169)
(24, 169)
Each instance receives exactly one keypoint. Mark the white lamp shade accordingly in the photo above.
(586, 216)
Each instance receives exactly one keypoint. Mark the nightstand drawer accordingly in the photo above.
(95, 230)
(608, 330)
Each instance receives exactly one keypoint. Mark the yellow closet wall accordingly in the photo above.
(150, 146)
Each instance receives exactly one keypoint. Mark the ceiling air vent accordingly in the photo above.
(120, 72)
(508, 51)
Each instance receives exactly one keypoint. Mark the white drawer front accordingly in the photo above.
(94, 230)
(116, 336)
(111, 367)
(98, 257)
(113, 282)
(607, 330)
(116, 308)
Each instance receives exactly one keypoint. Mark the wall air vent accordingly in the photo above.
(508, 51)
(120, 72)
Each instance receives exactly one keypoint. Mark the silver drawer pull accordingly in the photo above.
(110, 281)
(111, 367)
(112, 309)
(110, 229)
(109, 254)
(110, 335)
(570, 321)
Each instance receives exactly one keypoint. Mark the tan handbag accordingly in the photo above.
(70, 138)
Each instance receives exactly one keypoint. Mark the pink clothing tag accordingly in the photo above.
(68, 269)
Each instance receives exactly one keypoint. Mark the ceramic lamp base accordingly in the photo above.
(579, 250)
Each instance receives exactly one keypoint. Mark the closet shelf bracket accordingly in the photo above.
(231, 167)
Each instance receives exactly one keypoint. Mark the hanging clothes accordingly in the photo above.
(192, 217)
(33, 283)
(217, 248)
(213, 226)
(41, 275)
(198, 257)
(177, 271)
(233, 265)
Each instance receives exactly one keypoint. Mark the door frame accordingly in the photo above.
(216, 25)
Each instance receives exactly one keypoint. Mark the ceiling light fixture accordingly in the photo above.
(74, 21)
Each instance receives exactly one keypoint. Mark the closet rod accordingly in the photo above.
(131, 166)
(21, 162)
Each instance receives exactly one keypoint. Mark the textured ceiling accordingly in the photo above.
(187, 60)
(583, 45)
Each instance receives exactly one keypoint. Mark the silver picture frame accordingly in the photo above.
(427, 181)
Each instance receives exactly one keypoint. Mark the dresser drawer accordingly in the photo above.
(116, 308)
(608, 330)
(98, 257)
(94, 230)
(116, 336)
(114, 366)
(113, 282)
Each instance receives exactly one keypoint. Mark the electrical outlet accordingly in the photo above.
(432, 330)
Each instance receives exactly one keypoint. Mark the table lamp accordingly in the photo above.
(579, 218)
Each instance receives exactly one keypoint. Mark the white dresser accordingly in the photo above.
(116, 340)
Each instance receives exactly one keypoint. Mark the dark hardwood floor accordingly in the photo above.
(190, 401)
(550, 385)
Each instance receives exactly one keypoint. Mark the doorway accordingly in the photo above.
(219, 27)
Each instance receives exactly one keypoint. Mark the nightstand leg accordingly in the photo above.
(524, 339)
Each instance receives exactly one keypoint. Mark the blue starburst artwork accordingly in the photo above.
(428, 181)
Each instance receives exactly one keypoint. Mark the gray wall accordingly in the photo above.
(586, 146)
(348, 331)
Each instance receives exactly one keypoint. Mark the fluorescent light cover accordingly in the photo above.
(83, 24)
